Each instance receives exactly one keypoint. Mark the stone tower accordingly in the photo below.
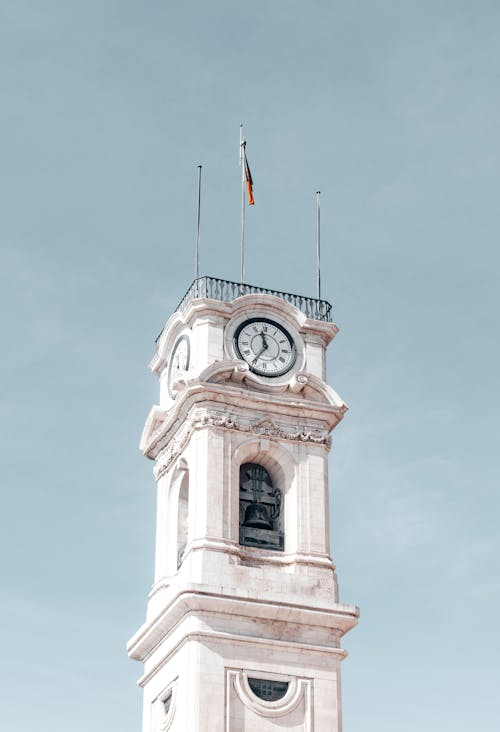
(243, 624)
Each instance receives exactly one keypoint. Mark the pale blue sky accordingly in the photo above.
(392, 109)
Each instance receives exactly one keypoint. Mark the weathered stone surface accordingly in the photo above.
(219, 612)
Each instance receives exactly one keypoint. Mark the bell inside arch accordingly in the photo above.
(257, 517)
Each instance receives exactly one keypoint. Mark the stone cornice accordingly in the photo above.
(191, 600)
(167, 449)
(234, 639)
(306, 399)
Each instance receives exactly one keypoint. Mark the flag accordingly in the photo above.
(248, 178)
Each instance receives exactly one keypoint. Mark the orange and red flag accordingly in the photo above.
(248, 178)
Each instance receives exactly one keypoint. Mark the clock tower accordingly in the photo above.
(243, 625)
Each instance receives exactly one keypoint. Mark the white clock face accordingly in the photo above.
(179, 362)
(266, 346)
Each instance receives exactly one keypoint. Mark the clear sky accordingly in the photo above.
(392, 109)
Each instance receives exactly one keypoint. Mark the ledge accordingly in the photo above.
(191, 599)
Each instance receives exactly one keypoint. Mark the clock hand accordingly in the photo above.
(260, 353)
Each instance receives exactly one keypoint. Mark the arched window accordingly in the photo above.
(268, 689)
(260, 509)
(182, 518)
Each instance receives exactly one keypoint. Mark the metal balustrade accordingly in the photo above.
(214, 288)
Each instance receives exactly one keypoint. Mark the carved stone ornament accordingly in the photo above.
(260, 427)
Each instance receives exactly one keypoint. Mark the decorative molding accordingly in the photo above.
(294, 695)
(249, 554)
(260, 427)
(169, 449)
(186, 599)
(163, 718)
(336, 654)
(299, 690)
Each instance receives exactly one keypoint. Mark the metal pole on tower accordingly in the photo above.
(197, 252)
(318, 240)
(242, 165)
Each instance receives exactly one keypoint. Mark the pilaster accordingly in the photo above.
(245, 592)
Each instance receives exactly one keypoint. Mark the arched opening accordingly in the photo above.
(182, 518)
(268, 689)
(260, 508)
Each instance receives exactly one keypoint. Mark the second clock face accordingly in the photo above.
(266, 346)
(179, 362)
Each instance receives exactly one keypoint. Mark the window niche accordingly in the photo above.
(165, 710)
(261, 523)
(182, 518)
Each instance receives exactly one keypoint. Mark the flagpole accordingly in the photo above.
(242, 247)
(318, 240)
(197, 252)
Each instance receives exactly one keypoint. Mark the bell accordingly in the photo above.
(257, 517)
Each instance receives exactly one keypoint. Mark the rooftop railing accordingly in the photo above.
(213, 288)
